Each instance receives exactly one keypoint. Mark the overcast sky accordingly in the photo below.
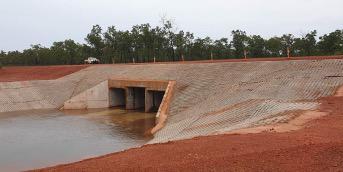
(26, 22)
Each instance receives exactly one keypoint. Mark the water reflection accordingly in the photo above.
(34, 139)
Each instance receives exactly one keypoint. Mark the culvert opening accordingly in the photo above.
(117, 97)
(135, 98)
(153, 100)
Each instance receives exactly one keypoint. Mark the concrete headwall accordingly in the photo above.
(148, 84)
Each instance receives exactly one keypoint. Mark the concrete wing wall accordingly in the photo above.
(95, 97)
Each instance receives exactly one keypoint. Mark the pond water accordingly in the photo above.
(36, 139)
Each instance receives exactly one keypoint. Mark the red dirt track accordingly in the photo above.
(10, 74)
(316, 147)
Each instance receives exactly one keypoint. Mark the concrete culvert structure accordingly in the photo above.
(137, 94)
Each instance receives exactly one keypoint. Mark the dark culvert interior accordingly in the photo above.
(154, 100)
(117, 97)
(136, 98)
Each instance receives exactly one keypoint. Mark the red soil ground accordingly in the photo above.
(316, 147)
(10, 74)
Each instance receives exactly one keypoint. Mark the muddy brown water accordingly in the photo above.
(36, 139)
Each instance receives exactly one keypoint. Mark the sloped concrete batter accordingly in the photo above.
(209, 97)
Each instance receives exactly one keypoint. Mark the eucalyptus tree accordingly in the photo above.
(138, 45)
(239, 42)
(256, 46)
(180, 43)
(159, 42)
(201, 48)
(274, 47)
(189, 39)
(2, 53)
(168, 30)
(287, 42)
(66, 52)
(111, 50)
(306, 45)
(33, 56)
(58, 52)
(13, 58)
(310, 43)
(332, 43)
(221, 48)
(124, 46)
(95, 41)
(2, 57)
(145, 43)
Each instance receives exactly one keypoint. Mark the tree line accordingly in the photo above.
(144, 43)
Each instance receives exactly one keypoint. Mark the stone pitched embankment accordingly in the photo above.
(209, 97)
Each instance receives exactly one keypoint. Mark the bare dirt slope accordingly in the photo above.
(10, 74)
(317, 147)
